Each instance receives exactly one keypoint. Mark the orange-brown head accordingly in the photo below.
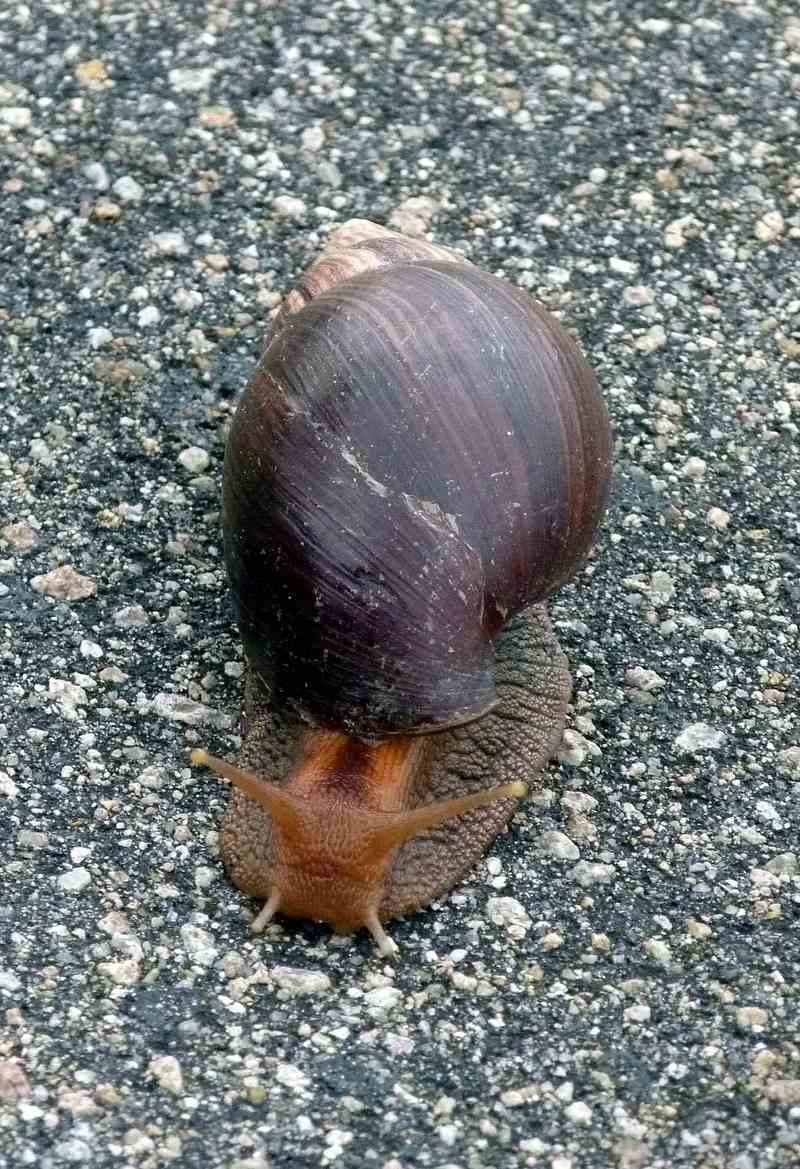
(337, 822)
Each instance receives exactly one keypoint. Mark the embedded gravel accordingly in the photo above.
(619, 984)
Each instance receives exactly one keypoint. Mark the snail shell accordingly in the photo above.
(420, 459)
(421, 453)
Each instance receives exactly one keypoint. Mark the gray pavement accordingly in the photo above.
(619, 984)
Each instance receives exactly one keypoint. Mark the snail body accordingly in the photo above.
(420, 459)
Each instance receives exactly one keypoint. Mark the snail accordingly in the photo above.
(419, 460)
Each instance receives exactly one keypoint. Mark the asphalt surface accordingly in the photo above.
(167, 170)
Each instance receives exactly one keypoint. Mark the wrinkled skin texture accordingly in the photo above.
(514, 741)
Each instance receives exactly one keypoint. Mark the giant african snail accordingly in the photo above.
(420, 458)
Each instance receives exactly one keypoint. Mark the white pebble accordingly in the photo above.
(789, 762)
(655, 338)
(699, 737)
(296, 981)
(97, 175)
(148, 316)
(130, 617)
(171, 243)
(313, 138)
(558, 845)
(16, 117)
(99, 337)
(198, 945)
(578, 1113)
(75, 880)
(561, 74)
(770, 227)
(657, 949)
(167, 1071)
(638, 1013)
(642, 201)
(588, 873)
(384, 998)
(65, 584)
(508, 912)
(194, 459)
(288, 207)
(128, 190)
(718, 518)
(694, 468)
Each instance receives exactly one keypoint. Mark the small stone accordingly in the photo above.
(575, 748)
(13, 1081)
(148, 316)
(552, 940)
(638, 1013)
(510, 913)
(657, 949)
(384, 998)
(170, 243)
(65, 584)
(638, 295)
(22, 537)
(789, 762)
(588, 873)
(642, 201)
(558, 845)
(90, 649)
(560, 74)
(178, 708)
(313, 138)
(16, 117)
(131, 617)
(92, 73)
(166, 1070)
(655, 26)
(655, 338)
(68, 695)
(194, 459)
(785, 1092)
(694, 468)
(106, 209)
(698, 737)
(7, 786)
(99, 337)
(287, 207)
(718, 518)
(75, 880)
(770, 227)
(9, 981)
(753, 1017)
(698, 930)
(297, 982)
(189, 80)
(291, 1077)
(128, 190)
(643, 679)
(27, 838)
(198, 945)
(578, 1113)
(413, 216)
(97, 175)
(785, 864)
(623, 267)
(124, 972)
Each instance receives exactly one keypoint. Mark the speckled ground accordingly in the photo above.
(625, 992)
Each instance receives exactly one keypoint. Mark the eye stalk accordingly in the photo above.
(332, 851)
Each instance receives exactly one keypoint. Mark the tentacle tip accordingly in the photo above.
(387, 947)
(518, 790)
(199, 757)
(265, 915)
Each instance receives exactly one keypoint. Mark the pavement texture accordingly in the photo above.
(619, 983)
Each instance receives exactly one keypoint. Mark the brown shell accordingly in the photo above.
(421, 453)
